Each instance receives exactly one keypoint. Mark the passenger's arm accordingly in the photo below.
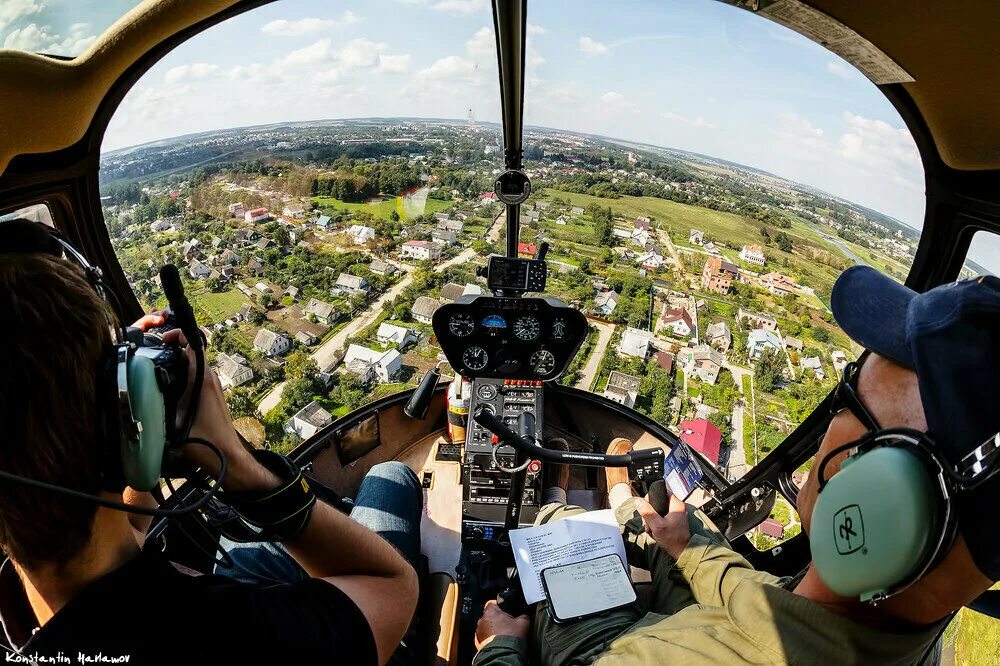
(332, 547)
(365, 567)
(712, 570)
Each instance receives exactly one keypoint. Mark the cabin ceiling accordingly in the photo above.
(951, 50)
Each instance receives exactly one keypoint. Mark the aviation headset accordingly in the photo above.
(132, 415)
(889, 515)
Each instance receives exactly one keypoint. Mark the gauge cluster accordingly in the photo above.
(516, 338)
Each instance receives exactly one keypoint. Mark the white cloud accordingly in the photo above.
(75, 43)
(588, 45)
(12, 10)
(361, 52)
(393, 63)
(878, 147)
(447, 67)
(800, 138)
(29, 38)
(482, 46)
(315, 53)
(454, 6)
(697, 121)
(198, 70)
(461, 6)
(306, 26)
(35, 38)
(615, 102)
(536, 29)
(840, 69)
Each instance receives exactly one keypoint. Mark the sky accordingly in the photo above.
(696, 75)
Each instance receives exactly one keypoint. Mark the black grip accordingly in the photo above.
(526, 425)
(658, 497)
(653, 455)
(511, 599)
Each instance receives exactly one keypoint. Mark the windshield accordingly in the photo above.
(702, 177)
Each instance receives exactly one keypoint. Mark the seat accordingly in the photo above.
(439, 599)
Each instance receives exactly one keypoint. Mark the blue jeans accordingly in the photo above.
(389, 503)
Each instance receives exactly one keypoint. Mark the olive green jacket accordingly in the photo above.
(710, 607)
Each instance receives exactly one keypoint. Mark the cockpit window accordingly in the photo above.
(57, 27)
(701, 175)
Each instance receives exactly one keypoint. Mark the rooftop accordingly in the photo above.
(702, 436)
(314, 415)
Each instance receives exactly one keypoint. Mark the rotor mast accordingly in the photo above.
(510, 25)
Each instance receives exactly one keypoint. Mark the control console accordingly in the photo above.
(486, 486)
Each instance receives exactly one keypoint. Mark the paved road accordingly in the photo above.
(589, 372)
(737, 465)
(326, 355)
(846, 250)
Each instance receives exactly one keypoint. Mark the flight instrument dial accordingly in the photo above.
(543, 362)
(527, 328)
(461, 325)
(475, 358)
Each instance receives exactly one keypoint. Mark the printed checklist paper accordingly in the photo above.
(568, 541)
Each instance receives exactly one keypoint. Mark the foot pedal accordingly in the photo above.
(449, 452)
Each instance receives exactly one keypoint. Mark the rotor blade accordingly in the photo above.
(510, 24)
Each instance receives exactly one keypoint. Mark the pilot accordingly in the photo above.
(933, 366)
(76, 581)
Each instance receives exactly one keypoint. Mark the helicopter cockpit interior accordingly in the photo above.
(477, 427)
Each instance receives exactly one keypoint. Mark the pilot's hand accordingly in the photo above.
(214, 424)
(670, 531)
(495, 622)
(148, 321)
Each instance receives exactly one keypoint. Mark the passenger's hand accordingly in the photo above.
(495, 622)
(148, 321)
(671, 531)
(214, 424)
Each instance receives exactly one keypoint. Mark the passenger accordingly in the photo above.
(76, 581)
(935, 370)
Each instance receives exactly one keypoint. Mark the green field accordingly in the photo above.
(217, 306)
(732, 229)
(382, 209)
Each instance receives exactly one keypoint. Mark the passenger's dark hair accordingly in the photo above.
(53, 336)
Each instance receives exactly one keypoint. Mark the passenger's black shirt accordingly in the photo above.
(155, 614)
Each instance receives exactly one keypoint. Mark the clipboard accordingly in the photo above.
(592, 587)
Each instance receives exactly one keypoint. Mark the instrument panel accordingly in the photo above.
(509, 338)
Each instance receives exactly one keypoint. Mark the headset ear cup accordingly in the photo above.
(110, 433)
(142, 457)
(873, 523)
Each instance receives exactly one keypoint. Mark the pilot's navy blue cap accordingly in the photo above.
(950, 336)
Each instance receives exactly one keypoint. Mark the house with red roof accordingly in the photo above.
(772, 528)
(678, 320)
(703, 436)
(526, 250)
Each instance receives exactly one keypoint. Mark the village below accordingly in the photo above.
(315, 255)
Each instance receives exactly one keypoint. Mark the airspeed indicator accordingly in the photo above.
(527, 328)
